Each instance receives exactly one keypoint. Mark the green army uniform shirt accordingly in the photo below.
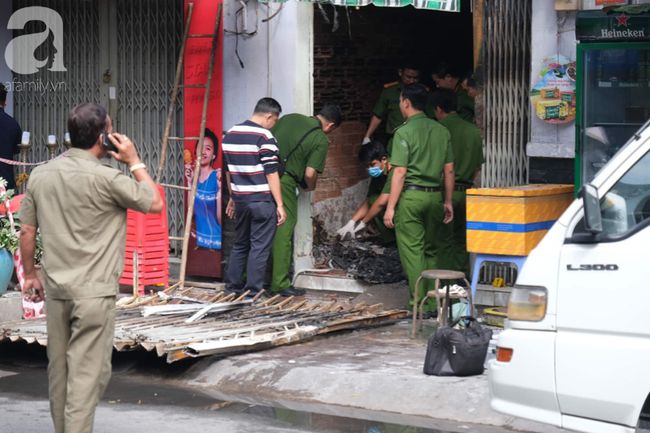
(466, 105)
(467, 145)
(80, 206)
(381, 185)
(312, 152)
(423, 146)
(387, 107)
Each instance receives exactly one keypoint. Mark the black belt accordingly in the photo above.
(422, 188)
(461, 188)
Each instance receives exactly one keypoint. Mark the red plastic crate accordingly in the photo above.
(147, 235)
(158, 261)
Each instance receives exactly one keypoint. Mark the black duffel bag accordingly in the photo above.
(455, 352)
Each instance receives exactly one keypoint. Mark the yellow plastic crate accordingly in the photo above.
(513, 220)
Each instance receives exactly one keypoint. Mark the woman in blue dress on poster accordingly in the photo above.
(207, 205)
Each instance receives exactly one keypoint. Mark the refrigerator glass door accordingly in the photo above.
(616, 102)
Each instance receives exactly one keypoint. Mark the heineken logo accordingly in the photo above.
(627, 33)
(623, 33)
(603, 25)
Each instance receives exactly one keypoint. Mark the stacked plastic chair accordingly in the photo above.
(148, 237)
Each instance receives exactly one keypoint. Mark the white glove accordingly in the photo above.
(366, 140)
(346, 230)
(359, 227)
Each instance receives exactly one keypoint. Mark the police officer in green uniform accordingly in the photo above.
(467, 145)
(421, 153)
(303, 143)
(387, 107)
(471, 86)
(446, 77)
(374, 156)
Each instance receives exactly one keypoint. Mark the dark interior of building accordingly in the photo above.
(358, 50)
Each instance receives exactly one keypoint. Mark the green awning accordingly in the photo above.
(440, 5)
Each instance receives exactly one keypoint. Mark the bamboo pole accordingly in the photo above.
(199, 150)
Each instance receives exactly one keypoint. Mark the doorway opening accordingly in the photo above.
(358, 50)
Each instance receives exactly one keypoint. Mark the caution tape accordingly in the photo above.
(12, 162)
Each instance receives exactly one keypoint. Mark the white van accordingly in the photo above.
(577, 343)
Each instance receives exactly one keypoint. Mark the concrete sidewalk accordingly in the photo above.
(370, 374)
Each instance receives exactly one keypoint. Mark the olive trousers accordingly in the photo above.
(79, 347)
(281, 248)
(452, 238)
(418, 218)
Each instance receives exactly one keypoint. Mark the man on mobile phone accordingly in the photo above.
(80, 207)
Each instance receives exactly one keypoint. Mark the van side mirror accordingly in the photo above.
(591, 204)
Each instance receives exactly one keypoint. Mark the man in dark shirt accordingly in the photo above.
(10, 134)
(251, 153)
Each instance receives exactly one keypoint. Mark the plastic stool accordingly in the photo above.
(481, 258)
(436, 274)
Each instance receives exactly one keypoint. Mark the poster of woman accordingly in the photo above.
(207, 205)
(205, 246)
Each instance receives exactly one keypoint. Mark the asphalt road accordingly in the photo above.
(142, 400)
(31, 416)
(144, 395)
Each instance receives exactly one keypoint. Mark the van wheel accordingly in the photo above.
(644, 418)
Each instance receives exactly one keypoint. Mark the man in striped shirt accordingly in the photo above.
(251, 152)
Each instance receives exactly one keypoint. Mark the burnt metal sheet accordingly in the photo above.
(256, 325)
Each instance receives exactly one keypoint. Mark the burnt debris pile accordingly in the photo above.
(364, 260)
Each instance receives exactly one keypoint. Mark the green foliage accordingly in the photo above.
(8, 239)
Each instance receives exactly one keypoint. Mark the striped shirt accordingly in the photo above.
(251, 153)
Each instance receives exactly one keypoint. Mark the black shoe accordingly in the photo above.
(230, 292)
(291, 291)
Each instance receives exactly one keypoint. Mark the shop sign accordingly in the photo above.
(599, 26)
(610, 2)
(554, 97)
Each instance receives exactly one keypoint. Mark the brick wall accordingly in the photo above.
(342, 169)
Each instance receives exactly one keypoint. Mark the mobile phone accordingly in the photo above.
(107, 143)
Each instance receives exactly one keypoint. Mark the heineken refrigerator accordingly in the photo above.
(612, 83)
